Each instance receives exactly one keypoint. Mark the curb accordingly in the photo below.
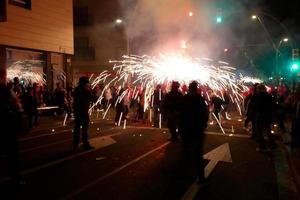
(293, 167)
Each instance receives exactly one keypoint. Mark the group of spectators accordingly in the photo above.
(185, 112)
(30, 98)
(266, 107)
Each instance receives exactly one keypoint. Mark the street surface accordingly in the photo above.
(138, 162)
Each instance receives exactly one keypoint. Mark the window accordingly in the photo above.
(2, 10)
(82, 16)
(80, 42)
(21, 3)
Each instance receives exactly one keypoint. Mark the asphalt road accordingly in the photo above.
(139, 163)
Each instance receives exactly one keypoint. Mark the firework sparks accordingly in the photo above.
(145, 72)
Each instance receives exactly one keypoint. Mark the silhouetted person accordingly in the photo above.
(9, 112)
(18, 88)
(59, 97)
(140, 107)
(172, 107)
(156, 105)
(217, 105)
(263, 116)
(226, 102)
(82, 99)
(296, 120)
(119, 106)
(30, 104)
(249, 102)
(194, 119)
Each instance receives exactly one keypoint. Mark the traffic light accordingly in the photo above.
(295, 66)
(295, 60)
(219, 19)
(219, 16)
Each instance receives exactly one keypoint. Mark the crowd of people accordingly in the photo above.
(278, 106)
(184, 110)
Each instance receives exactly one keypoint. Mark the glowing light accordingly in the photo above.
(254, 16)
(219, 19)
(191, 14)
(183, 44)
(119, 21)
(25, 71)
(65, 119)
(248, 79)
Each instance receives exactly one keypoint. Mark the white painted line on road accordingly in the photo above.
(55, 143)
(146, 128)
(227, 135)
(99, 142)
(78, 191)
(206, 132)
(57, 133)
(44, 146)
(46, 134)
(100, 158)
(221, 153)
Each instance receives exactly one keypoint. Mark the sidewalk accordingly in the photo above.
(293, 156)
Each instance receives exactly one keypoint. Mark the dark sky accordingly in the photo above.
(287, 11)
(284, 10)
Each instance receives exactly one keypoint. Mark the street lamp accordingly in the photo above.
(257, 17)
(254, 16)
(275, 47)
(278, 53)
(119, 21)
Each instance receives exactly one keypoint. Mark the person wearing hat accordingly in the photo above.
(82, 99)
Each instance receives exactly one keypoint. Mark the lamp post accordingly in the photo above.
(275, 47)
(277, 69)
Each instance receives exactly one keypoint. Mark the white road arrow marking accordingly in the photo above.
(221, 153)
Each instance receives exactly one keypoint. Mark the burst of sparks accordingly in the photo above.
(145, 72)
(152, 70)
(248, 79)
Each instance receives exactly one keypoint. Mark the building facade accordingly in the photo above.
(36, 41)
(97, 36)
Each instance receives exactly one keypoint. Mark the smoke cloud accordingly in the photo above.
(160, 26)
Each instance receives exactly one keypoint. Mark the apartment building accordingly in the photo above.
(36, 41)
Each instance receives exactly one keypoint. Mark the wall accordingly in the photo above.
(47, 26)
(102, 34)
